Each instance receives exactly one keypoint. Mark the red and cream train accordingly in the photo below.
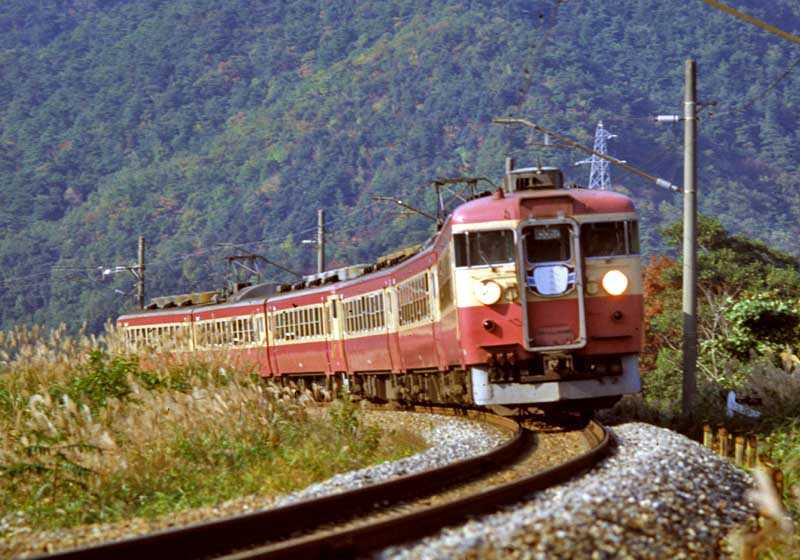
(531, 295)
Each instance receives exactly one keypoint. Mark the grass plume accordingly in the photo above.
(90, 433)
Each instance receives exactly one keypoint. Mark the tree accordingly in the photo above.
(747, 302)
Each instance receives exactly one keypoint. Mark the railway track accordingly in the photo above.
(357, 522)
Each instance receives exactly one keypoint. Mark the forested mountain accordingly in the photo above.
(198, 122)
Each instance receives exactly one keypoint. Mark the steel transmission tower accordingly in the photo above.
(599, 176)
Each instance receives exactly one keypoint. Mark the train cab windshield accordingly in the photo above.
(484, 248)
(609, 239)
(548, 243)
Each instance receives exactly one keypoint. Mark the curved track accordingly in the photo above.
(367, 519)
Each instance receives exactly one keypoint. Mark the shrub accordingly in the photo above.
(760, 324)
(104, 377)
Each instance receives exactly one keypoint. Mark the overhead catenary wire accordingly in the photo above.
(754, 21)
(55, 264)
(767, 27)
(203, 251)
(208, 251)
(658, 181)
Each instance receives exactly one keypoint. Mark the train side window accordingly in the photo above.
(293, 331)
(413, 300)
(372, 315)
(460, 245)
(380, 311)
(608, 239)
(278, 326)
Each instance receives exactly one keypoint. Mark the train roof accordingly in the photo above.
(542, 203)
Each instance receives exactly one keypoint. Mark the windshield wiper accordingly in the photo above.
(483, 257)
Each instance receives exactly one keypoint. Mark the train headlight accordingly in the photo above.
(615, 282)
(487, 292)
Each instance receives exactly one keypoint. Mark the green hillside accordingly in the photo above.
(196, 123)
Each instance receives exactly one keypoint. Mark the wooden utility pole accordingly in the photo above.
(140, 275)
(690, 240)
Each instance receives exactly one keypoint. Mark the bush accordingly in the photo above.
(103, 378)
(760, 324)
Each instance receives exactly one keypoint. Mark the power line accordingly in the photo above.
(53, 266)
(760, 94)
(754, 21)
(538, 50)
(658, 181)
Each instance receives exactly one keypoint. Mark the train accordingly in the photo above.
(528, 296)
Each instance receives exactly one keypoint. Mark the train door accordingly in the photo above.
(272, 354)
(553, 316)
(337, 361)
(259, 322)
(390, 307)
(436, 315)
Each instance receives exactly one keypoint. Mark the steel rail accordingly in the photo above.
(218, 537)
(360, 541)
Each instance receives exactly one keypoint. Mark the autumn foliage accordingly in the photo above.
(660, 284)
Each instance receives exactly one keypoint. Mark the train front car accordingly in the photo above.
(549, 294)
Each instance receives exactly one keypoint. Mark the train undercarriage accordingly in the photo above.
(476, 386)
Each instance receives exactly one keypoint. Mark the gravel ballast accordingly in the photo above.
(658, 495)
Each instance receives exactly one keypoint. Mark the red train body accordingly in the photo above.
(529, 296)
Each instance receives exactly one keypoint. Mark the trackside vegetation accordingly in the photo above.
(88, 435)
(748, 341)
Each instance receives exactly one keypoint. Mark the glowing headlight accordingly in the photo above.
(615, 282)
(487, 292)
